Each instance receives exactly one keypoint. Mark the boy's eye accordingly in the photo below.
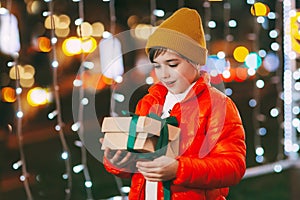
(173, 65)
(156, 65)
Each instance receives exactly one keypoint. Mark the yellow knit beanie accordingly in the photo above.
(181, 32)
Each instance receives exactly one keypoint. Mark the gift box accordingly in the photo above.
(148, 131)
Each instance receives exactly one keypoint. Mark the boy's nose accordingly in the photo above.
(165, 72)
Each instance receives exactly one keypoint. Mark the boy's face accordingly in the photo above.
(175, 72)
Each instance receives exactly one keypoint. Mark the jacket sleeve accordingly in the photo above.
(224, 165)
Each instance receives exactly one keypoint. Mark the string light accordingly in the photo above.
(75, 127)
(78, 168)
(9, 24)
(262, 131)
(289, 66)
(78, 126)
(253, 61)
(88, 184)
(17, 165)
(65, 155)
(52, 114)
(277, 168)
(78, 143)
(54, 63)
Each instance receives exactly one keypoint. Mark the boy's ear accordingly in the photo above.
(205, 76)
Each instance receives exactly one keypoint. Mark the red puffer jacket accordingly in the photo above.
(212, 144)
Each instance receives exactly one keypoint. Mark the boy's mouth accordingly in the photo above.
(169, 83)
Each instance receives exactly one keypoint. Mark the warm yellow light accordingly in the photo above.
(27, 83)
(51, 25)
(37, 96)
(28, 72)
(132, 21)
(98, 29)
(260, 9)
(12, 72)
(71, 46)
(8, 94)
(24, 72)
(143, 31)
(240, 53)
(62, 32)
(34, 7)
(89, 45)
(85, 30)
(64, 22)
(74, 46)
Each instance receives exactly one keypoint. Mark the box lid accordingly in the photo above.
(144, 124)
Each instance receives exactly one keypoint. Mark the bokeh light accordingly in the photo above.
(38, 96)
(240, 53)
(241, 74)
(34, 7)
(132, 21)
(271, 62)
(8, 94)
(98, 29)
(71, 46)
(44, 44)
(64, 22)
(51, 21)
(143, 31)
(27, 83)
(260, 83)
(253, 60)
(62, 32)
(88, 45)
(13, 74)
(260, 9)
(85, 30)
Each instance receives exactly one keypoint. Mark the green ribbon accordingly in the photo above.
(132, 133)
(161, 145)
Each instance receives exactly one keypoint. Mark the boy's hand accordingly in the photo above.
(118, 158)
(160, 169)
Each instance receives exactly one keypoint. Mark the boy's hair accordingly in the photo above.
(156, 51)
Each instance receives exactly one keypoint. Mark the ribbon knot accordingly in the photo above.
(164, 131)
(161, 144)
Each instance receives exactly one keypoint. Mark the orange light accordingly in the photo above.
(8, 94)
(241, 73)
(44, 44)
(106, 80)
(231, 76)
